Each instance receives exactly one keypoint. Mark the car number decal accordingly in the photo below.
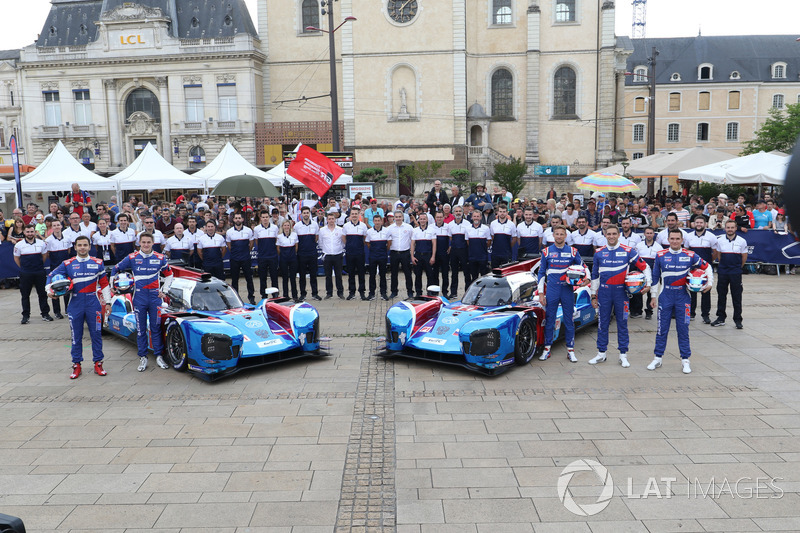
(431, 340)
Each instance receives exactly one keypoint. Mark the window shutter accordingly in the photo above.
(705, 101)
(226, 90)
(193, 92)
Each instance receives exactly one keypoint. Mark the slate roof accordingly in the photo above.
(6, 55)
(72, 22)
(749, 55)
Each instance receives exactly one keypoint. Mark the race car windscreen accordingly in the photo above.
(488, 292)
(214, 296)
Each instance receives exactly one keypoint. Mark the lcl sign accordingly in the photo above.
(130, 39)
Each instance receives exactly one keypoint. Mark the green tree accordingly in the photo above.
(460, 177)
(421, 170)
(779, 132)
(372, 174)
(509, 175)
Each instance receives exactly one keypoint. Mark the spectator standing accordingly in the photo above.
(87, 226)
(371, 211)
(593, 216)
(77, 200)
(479, 198)
(400, 235)
(570, 218)
(437, 197)
(761, 216)
(331, 241)
(16, 233)
(86, 274)
(627, 236)
(240, 242)
(266, 235)
(30, 254)
(552, 194)
(731, 252)
(378, 242)
(166, 222)
(211, 247)
(355, 232)
(287, 251)
(149, 224)
(455, 197)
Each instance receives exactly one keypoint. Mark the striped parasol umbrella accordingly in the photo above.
(606, 182)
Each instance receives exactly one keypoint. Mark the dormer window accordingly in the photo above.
(735, 75)
(228, 20)
(195, 22)
(53, 30)
(640, 74)
(705, 72)
(779, 70)
(675, 77)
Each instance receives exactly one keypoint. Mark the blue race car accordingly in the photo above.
(498, 323)
(209, 331)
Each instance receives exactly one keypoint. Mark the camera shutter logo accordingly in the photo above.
(585, 465)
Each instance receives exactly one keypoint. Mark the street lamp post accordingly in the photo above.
(651, 115)
(327, 9)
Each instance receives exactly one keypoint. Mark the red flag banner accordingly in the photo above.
(314, 170)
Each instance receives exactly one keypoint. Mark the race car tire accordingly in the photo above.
(525, 343)
(175, 347)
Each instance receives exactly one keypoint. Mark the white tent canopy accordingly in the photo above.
(151, 171)
(761, 168)
(229, 163)
(58, 172)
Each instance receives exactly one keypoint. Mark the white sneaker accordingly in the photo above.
(623, 360)
(599, 358)
(142, 364)
(571, 355)
(655, 363)
(160, 362)
(545, 354)
(687, 369)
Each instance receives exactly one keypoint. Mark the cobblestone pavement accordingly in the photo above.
(358, 443)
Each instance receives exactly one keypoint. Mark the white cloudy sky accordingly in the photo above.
(665, 18)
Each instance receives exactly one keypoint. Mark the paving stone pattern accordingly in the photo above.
(353, 442)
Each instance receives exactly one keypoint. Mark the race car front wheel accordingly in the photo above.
(525, 344)
(176, 347)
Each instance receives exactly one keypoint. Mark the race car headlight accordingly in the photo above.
(484, 342)
(218, 347)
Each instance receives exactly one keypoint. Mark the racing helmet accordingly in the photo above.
(696, 279)
(575, 274)
(60, 285)
(634, 283)
(122, 283)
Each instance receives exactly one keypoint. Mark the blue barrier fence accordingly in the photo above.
(763, 246)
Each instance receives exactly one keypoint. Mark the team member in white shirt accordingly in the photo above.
(287, 250)
(479, 238)
(457, 229)
(583, 239)
(101, 240)
(30, 254)
(547, 234)
(703, 243)
(87, 226)
(627, 236)
(240, 241)
(378, 241)
(331, 241)
(266, 235)
(441, 260)
(400, 252)
(72, 231)
(504, 236)
(423, 253)
(123, 239)
(530, 234)
(180, 246)
(355, 232)
(672, 223)
(58, 249)
(648, 249)
(158, 237)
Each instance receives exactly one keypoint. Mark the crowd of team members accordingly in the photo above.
(439, 239)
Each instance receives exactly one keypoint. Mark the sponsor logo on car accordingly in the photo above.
(450, 320)
(252, 324)
(441, 330)
(271, 342)
(432, 340)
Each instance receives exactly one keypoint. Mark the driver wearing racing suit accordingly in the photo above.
(556, 259)
(609, 270)
(146, 266)
(86, 273)
(670, 295)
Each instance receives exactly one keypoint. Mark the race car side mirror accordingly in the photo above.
(434, 290)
